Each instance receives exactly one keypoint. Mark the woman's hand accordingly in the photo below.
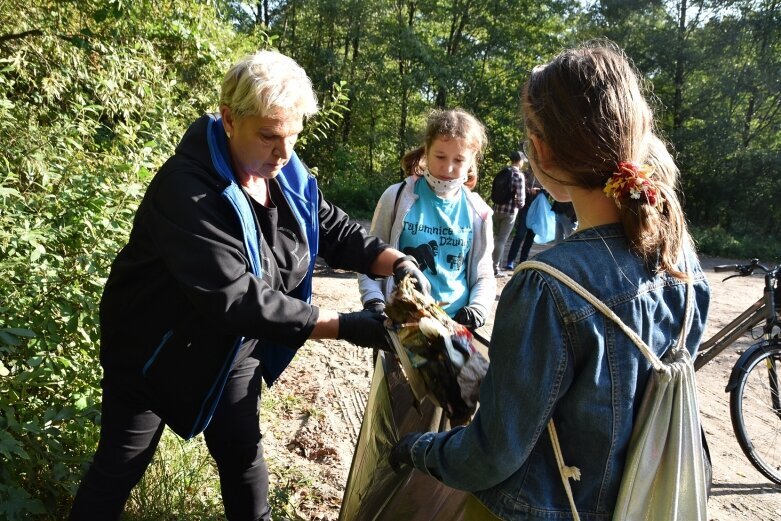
(470, 317)
(407, 265)
(375, 305)
(401, 453)
(364, 328)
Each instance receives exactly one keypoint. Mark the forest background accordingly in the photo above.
(94, 96)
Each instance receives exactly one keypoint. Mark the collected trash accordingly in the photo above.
(437, 354)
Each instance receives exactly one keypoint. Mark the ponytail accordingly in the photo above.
(588, 106)
(411, 163)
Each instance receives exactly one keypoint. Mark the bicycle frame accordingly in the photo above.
(763, 309)
(727, 335)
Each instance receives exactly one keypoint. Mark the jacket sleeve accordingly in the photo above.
(529, 361)
(520, 190)
(382, 222)
(344, 244)
(198, 238)
(482, 293)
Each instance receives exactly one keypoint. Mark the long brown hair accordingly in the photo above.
(588, 106)
(452, 123)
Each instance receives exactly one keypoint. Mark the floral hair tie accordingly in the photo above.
(633, 180)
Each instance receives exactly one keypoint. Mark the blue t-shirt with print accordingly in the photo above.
(438, 233)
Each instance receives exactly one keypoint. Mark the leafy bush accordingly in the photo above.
(180, 483)
(717, 241)
(357, 197)
(91, 105)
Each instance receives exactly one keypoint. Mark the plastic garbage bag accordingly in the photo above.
(541, 219)
(374, 491)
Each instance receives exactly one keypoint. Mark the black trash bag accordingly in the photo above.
(374, 492)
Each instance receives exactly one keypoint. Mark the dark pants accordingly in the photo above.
(523, 239)
(130, 432)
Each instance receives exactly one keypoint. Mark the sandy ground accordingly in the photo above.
(316, 411)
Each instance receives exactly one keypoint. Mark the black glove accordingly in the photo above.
(364, 328)
(375, 305)
(401, 269)
(470, 317)
(401, 453)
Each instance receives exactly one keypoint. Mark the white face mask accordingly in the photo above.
(444, 187)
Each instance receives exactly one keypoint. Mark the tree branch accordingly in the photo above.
(17, 36)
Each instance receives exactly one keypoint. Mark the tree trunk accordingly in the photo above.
(347, 127)
(458, 21)
(679, 68)
(404, 102)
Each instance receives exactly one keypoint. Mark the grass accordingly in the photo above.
(182, 483)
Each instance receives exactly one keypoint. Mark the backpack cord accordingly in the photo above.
(565, 471)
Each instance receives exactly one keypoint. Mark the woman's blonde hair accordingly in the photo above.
(588, 106)
(452, 123)
(268, 84)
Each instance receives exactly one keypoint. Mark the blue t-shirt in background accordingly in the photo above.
(438, 233)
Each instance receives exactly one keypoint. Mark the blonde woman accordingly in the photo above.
(212, 291)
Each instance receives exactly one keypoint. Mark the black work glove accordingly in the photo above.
(401, 269)
(401, 453)
(470, 317)
(375, 305)
(364, 328)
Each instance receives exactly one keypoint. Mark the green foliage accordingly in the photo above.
(356, 193)
(94, 98)
(722, 117)
(715, 240)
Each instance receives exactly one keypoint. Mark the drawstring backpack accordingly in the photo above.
(665, 471)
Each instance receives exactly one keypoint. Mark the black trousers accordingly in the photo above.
(130, 432)
(523, 239)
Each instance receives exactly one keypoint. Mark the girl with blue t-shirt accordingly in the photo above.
(434, 217)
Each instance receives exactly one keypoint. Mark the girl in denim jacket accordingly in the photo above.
(591, 142)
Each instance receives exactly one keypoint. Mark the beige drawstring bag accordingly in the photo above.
(664, 476)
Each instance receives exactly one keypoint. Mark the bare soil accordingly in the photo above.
(312, 416)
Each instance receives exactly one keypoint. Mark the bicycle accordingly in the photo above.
(755, 407)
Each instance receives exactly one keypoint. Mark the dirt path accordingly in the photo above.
(312, 416)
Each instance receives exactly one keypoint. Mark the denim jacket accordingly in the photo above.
(554, 355)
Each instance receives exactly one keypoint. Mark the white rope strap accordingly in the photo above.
(565, 472)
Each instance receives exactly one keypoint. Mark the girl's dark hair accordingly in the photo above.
(588, 106)
(453, 123)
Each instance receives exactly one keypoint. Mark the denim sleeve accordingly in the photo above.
(527, 372)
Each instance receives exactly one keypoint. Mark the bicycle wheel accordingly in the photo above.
(755, 408)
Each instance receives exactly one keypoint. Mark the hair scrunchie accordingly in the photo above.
(633, 181)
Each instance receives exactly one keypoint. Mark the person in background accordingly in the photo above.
(523, 237)
(505, 212)
(553, 356)
(434, 217)
(212, 291)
